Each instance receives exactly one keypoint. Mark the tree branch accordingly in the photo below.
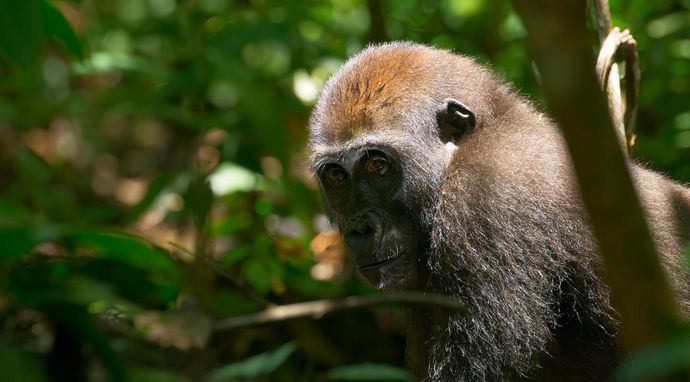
(561, 45)
(317, 309)
(377, 22)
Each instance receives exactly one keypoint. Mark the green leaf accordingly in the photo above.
(152, 268)
(257, 275)
(21, 30)
(656, 362)
(255, 366)
(127, 249)
(369, 372)
(236, 254)
(155, 375)
(19, 235)
(58, 27)
(45, 285)
(16, 241)
(19, 365)
(132, 283)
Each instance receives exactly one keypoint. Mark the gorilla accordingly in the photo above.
(442, 179)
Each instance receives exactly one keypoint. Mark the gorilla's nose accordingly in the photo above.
(361, 233)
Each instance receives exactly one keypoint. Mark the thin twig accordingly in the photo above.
(316, 309)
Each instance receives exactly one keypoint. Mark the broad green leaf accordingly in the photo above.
(19, 236)
(57, 26)
(57, 283)
(21, 29)
(369, 372)
(130, 282)
(258, 365)
(127, 249)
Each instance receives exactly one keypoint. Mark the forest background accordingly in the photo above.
(153, 185)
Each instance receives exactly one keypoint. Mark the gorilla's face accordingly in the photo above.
(362, 192)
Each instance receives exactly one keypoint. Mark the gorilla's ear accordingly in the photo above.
(454, 120)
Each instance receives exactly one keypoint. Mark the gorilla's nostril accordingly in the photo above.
(364, 231)
(360, 238)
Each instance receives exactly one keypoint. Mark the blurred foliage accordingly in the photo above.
(152, 177)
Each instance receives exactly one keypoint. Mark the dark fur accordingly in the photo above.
(504, 225)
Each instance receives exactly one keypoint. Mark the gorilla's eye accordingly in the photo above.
(377, 164)
(335, 175)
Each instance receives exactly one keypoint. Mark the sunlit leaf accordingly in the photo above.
(229, 178)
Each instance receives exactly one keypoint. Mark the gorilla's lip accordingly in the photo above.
(380, 263)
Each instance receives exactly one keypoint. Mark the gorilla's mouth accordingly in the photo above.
(395, 272)
(380, 263)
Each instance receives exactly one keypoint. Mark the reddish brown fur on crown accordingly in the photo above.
(363, 94)
(388, 83)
